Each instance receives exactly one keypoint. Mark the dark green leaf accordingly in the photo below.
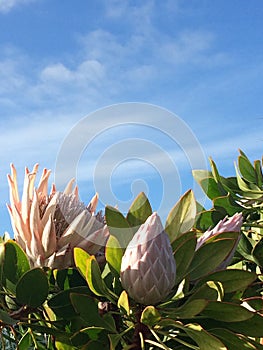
(232, 280)
(234, 341)
(189, 309)
(184, 249)
(32, 288)
(226, 205)
(209, 256)
(227, 312)
(6, 319)
(252, 327)
(257, 253)
(204, 339)
(259, 175)
(61, 304)
(15, 264)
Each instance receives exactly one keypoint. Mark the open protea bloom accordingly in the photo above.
(232, 224)
(148, 265)
(49, 226)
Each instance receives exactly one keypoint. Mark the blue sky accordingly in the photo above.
(61, 61)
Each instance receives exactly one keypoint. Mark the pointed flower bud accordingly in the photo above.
(232, 224)
(148, 265)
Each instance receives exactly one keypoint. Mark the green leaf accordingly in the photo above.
(209, 256)
(204, 339)
(95, 281)
(208, 218)
(226, 312)
(80, 258)
(227, 205)
(114, 340)
(113, 254)
(182, 216)
(188, 310)
(25, 342)
(208, 184)
(232, 280)
(210, 290)
(245, 248)
(15, 265)
(61, 304)
(150, 316)
(252, 327)
(235, 341)
(118, 226)
(6, 319)
(246, 169)
(68, 278)
(32, 288)
(123, 302)
(87, 308)
(257, 253)
(139, 211)
(259, 175)
(249, 189)
(184, 249)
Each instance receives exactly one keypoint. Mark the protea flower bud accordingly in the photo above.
(232, 224)
(49, 226)
(148, 265)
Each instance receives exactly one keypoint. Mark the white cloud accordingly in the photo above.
(7, 5)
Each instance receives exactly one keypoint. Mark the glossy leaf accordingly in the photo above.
(80, 258)
(150, 316)
(15, 265)
(32, 288)
(87, 308)
(188, 310)
(114, 253)
(61, 304)
(118, 226)
(227, 312)
(184, 249)
(235, 341)
(210, 256)
(123, 302)
(257, 253)
(139, 211)
(182, 216)
(232, 280)
(204, 339)
(6, 319)
(95, 281)
(246, 169)
(252, 327)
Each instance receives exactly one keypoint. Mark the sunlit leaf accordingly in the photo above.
(114, 253)
(118, 226)
(139, 211)
(150, 316)
(182, 216)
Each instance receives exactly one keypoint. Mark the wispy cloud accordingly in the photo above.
(8, 5)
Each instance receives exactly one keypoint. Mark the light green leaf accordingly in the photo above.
(80, 258)
(114, 253)
(150, 316)
(182, 216)
(118, 226)
(123, 302)
(139, 211)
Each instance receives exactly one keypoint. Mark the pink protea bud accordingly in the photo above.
(232, 224)
(148, 265)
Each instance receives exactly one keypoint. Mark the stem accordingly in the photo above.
(141, 332)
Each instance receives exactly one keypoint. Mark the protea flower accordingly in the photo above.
(49, 226)
(148, 265)
(232, 224)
